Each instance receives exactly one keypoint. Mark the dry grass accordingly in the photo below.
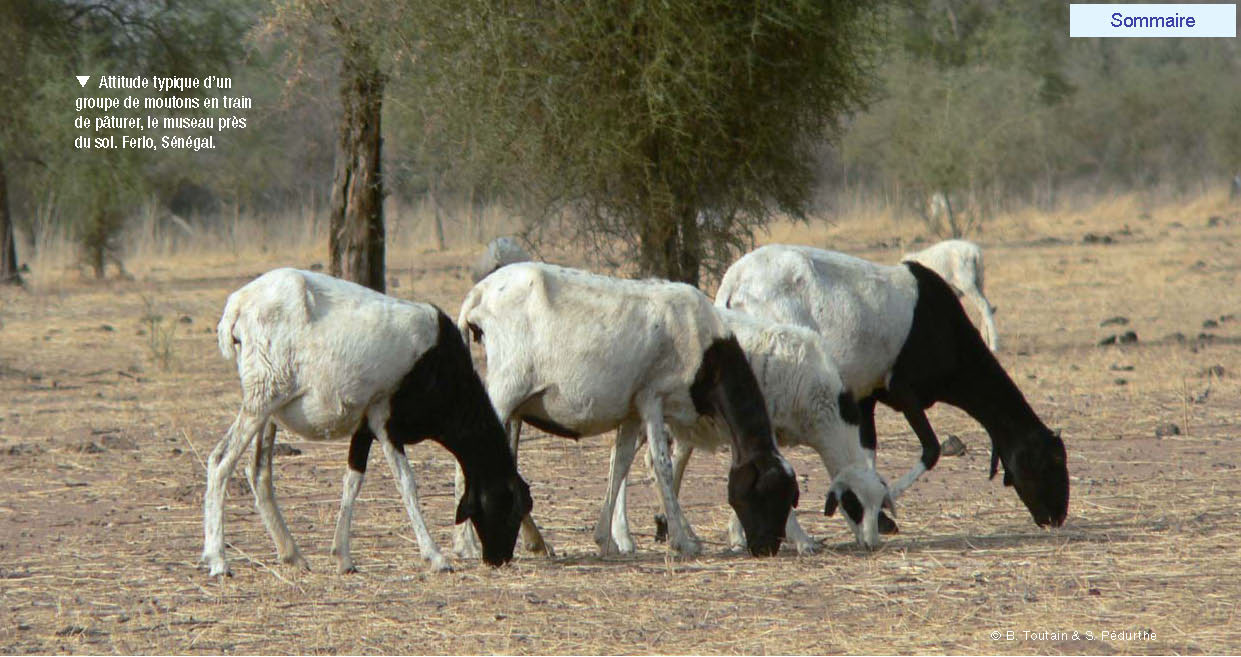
(101, 452)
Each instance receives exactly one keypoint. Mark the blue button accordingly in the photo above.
(1170, 20)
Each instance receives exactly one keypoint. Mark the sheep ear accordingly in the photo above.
(522, 502)
(829, 509)
(468, 507)
(768, 481)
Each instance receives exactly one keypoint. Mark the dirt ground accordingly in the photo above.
(101, 483)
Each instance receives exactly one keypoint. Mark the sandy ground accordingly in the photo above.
(101, 452)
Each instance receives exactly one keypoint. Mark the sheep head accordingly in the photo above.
(496, 507)
(863, 495)
(1037, 469)
(763, 491)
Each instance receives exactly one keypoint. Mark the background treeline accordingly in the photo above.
(990, 103)
(669, 132)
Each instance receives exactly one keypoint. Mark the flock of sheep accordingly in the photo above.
(797, 348)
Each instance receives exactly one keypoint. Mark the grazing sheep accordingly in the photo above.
(499, 252)
(960, 264)
(899, 336)
(325, 359)
(577, 354)
(808, 405)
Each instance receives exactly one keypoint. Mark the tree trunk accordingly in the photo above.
(669, 243)
(8, 245)
(691, 247)
(356, 231)
(657, 241)
(671, 247)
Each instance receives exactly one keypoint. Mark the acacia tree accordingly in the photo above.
(362, 35)
(679, 128)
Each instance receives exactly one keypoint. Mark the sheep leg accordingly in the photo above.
(736, 535)
(681, 537)
(681, 451)
(620, 520)
(866, 428)
(530, 534)
(465, 543)
(404, 475)
(866, 435)
(930, 449)
(622, 457)
(220, 465)
(260, 476)
(359, 452)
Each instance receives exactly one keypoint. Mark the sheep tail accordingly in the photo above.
(469, 331)
(224, 330)
(723, 295)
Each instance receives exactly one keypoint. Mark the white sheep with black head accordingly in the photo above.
(325, 359)
(578, 354)
(900, 336)
(808, 406)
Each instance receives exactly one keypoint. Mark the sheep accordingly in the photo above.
(808, 405)
(899, 336)
(499, 252)
(578, 354)
(324, 358)
(959, 263)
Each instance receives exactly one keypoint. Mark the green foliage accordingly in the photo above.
(637, 117)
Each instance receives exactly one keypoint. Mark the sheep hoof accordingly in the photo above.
(807, 549)
(688, 547)
(466, 549)
(440, 565)
(296, 559)
(539, 546)
(216, 566)
(346, 569)
(611, 547)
